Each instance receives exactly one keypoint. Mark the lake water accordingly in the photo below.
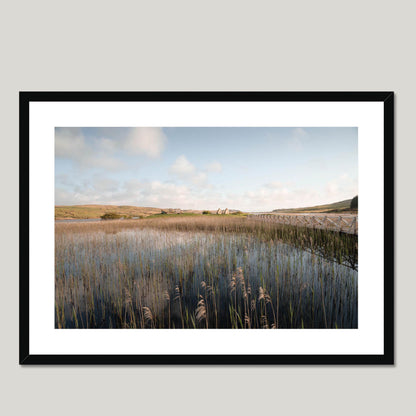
(108, 280)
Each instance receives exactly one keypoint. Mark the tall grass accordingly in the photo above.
(202, 273)
(339, 247)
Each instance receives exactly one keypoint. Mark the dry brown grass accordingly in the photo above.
(189, 223)
(335, 246)
(167, 273)
(96, 211)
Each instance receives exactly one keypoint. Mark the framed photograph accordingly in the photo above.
(206, 228)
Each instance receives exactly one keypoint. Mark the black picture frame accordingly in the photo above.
(387, 98)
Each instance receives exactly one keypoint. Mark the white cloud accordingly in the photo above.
(105, 185)
(70, 144)
(105, 145)
(167, 195)
(148, 141)
(341, 188)
(98, 153)
(106, 191)
(105, 162)
(183, 169)
(107, 152)
(273, 195)
(200, 179)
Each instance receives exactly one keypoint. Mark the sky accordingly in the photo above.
(245, 168)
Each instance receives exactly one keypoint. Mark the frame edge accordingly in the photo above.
(388, 358)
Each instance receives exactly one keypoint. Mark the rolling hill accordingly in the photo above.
(340, 206)
(66, 212)
(96, 211)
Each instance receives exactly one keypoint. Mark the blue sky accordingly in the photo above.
(251, 169)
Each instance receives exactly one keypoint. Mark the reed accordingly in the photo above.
(339, 247)
(203, 272)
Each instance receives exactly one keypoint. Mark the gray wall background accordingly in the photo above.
(215, 45)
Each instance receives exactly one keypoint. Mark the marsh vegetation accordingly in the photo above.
(203, 272)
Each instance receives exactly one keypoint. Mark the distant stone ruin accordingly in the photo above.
(223, 212)
(226, 212)
(219, 211)
(172, 211)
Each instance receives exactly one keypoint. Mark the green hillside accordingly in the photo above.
(340, 206)
(96, 211)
